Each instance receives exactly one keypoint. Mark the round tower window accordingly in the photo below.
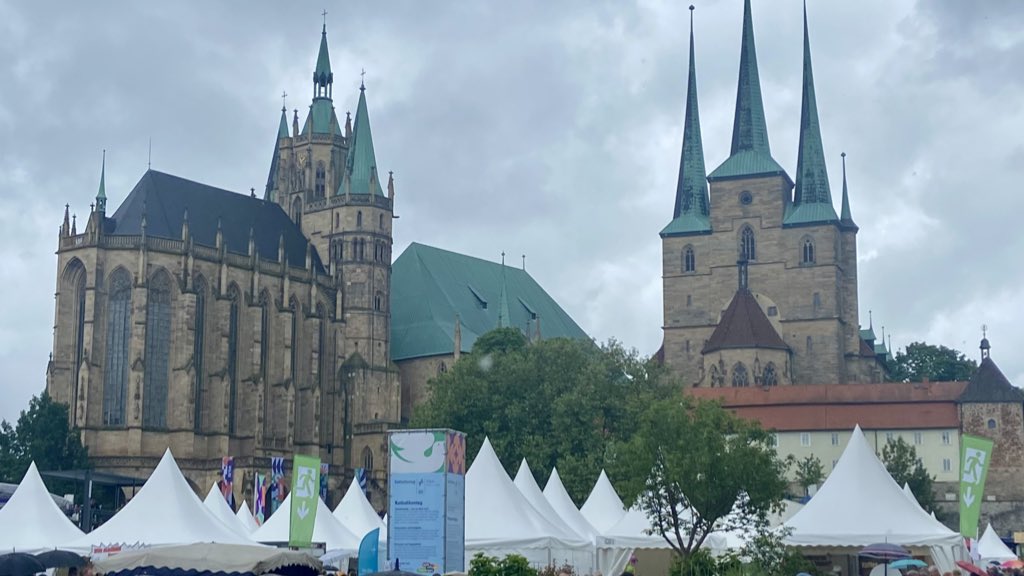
(746, 198)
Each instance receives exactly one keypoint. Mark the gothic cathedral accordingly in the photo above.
(760, 273)
(207, 321)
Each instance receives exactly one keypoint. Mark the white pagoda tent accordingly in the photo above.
(355, 513)
(560, 501)
(165, 511)
(246, 519)
(218, 506)
(501, 521)
(991, 548)
(581, 554)
(326, 529)
(31, 520)
(603, 508)
(860, 504)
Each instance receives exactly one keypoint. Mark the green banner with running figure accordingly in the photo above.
(975, 454)
(305, 494)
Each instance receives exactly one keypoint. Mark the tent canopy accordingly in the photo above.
(991, 547)
(218, 506)
(355, 513)
(164, 512)
(209, 558)
(326, 528)
(31, 520)
(603, 508)
(860, 504)
(527, 485)
(246, 518)
(560, 501)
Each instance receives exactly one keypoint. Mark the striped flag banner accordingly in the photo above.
(324, 467)
(259, 498)
(277, 489)
(227, 480)
(361, 478)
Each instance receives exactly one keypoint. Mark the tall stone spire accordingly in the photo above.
(812, 201)
(275, 159)
(750, 154)
(692, 207)
(846, 216)
(362, 163)
(101, 195)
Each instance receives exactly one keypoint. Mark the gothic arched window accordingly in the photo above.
(768, 376)
(380, 221)
(689, 260)
(297, 210)
(321, 344)
(296, 309)
(199, 352)
(119, 325)
(378, 302)
(367, 459)
(233, 297)
(75, 277)
(359, 219)
(748, 247)
(716, 376)
(321, 181)
(807, 252)
(264, 334)
(158, 351)
(740, 376)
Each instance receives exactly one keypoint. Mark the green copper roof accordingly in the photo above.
(282, 129)
(282, 132)
(846, 217)
(361, 160)
(868, 334)
(322, 73)
(504, 316)
(798, 214)
(321, 114)
(429, 286)
(749, 129)
(692, 207)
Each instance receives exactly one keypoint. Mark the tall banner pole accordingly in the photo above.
(975, 455)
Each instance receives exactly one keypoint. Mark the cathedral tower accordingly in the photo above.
(799, 256)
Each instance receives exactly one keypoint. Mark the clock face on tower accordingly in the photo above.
(746, 198)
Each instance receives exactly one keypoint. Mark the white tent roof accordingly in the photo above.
(165, 511)
(246, 518)
(603, 508)
(860, 504)
(31, 520)
(633, 531)
(497, 513)
(566, 509)
(218, 506)
(990, 547)
(527, 485)
(356, 513)
(326, 528)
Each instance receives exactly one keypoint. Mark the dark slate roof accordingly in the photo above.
(164, 198)
(744, 325)
(990, 385)
(429, 286)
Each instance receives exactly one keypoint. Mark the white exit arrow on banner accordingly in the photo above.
(303, 511)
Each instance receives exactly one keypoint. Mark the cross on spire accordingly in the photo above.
(362, 79)
(325, 18)
(284, 102)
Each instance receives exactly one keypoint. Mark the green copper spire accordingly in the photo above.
(692, 207)
(362, 164)
(750, 154)
(282, 129)
(812, 201)
(321, 118)
(322, 76)
(846, 217)
(504, 316)
(282, 132)
(101, 195)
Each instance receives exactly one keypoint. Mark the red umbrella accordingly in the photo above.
(971, 568)
(885, 551)
(1015, 563)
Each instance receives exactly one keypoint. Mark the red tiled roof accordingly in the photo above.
(843, 406)
(744, 325)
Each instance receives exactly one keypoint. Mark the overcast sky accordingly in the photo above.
(550, 129)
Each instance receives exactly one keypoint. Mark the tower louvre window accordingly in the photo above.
(320, 182)
(807, 252)
(359, 219)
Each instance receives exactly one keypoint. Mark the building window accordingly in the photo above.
(835, 439)
(991, 424)
(380, 221)
(775, 440)
(359, 219)
(808, 252)
(297, 210)
(748, 247)
(946, 438)
(321, 181)
(917, 438)
(946, 465)
(687, 346)
(769, 377)
(264, 334)
(119, 325)
(689, 300)
(337, 220)
(805, 438)
(158, 351)
(378, 302)
(368, 459)
(816, 302)
(740, 377)
(773, 311)
(809, 345)
(442, 368)
(889, 436)
(689, 260)
(234, 297)
(198, 353)
(296, 309)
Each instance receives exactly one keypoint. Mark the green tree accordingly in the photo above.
(809, 472)
(42, 435)
(557, 402)
(903, 464)
(920, 362)
(695, 468)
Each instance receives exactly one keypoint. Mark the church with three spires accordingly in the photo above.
(759, 271)
(222, 324)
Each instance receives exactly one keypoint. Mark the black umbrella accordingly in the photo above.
(885, 551)
(19, 564)
(61, 559)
